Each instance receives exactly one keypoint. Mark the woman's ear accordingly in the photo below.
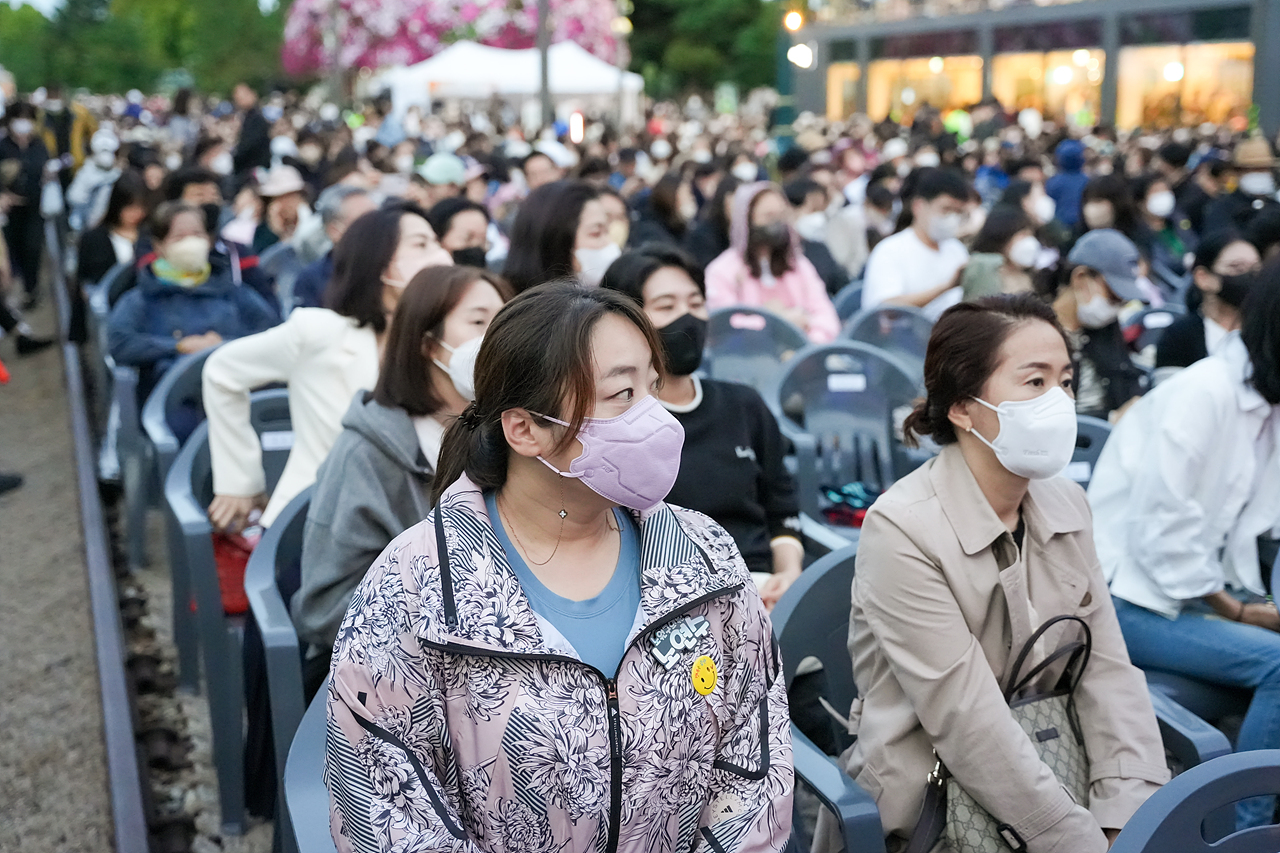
(524, 435)
(959, 416)
(1205, 280)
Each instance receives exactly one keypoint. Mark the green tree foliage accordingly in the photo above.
(684, 44)
(114, 45)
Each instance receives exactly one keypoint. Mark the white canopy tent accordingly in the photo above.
(470, 71)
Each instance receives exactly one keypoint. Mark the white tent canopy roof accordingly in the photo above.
(470, 70)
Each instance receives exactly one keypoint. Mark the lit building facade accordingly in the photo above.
(1131, 63)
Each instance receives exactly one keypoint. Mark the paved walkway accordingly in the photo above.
(53, 780)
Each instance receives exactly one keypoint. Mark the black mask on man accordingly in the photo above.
(683, 339)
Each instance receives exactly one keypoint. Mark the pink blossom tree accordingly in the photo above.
(379, 33)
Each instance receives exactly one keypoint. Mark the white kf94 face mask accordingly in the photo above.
(1037, 437)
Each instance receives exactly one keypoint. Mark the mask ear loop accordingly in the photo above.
(979, 435)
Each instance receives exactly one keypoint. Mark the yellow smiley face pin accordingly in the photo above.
(704, 675)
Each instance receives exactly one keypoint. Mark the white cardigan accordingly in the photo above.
(324, 358)
(1188, 480)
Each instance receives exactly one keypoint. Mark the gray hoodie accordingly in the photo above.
(374, 485)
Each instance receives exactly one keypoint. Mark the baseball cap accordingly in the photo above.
(443, 169)
(1112, 254)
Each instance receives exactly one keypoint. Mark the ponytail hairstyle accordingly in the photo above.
(964, 350)
(536, 356)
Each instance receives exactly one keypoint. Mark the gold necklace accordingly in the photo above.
(506, 519)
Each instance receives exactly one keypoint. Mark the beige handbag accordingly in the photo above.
(1050, 721)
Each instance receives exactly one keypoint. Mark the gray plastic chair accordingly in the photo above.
(1091, 437)
(1171, 820)
(751, 346)
(305, 795)
(812, 620)
(281, 544)
(181, 385)
(896, 329)
(844, 397)
(849, 300)
(1154, 321)
(210, 633)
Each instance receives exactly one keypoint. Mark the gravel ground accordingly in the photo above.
(53, 781)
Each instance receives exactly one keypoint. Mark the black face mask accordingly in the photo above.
(683, 340)
(775, 235)
(472, 256)
(1235, 288)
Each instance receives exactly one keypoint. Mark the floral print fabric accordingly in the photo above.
(454, 724)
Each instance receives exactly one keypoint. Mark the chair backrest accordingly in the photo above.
(898, 329)
(750, 345)
(847, 395)
(1091, 437)
(1172, 817)
(1153, 322)
(179, 390)
(812, 620)
(281, 264)
(849, 300)
(269, 414)
(305, 795)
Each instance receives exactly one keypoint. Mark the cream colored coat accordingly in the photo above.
(934, 620)
(324, 358)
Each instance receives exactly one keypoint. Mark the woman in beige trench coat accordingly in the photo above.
(958, 564)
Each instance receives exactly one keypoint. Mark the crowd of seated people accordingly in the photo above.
(542, 546)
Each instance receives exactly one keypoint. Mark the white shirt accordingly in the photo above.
(324, 358)
(1188, 480)
(123, 247)
(1214, 336)
(902, 264)
(430, 436)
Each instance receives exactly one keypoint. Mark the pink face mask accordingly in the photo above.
(631, 460)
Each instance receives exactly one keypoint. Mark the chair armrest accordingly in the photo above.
(853, 807)
(269, 610)
(819, 539)
(187, 511)
(125, 390)
(1191, 740)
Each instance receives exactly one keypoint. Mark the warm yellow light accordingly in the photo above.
(935, 65)
(1063, 75)
(1080, 57)
(577, 129)
(1173, 72)
(621, 26)
(793, 21)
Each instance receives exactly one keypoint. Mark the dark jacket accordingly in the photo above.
(834, 276)
(147, 322)
(1193, 200)
(95, 256)
(309, 286)
(26, 182)
(1236, 209)
(706, 241)
(1067, 186)
(1103, 357)
(253, 149)
(1183, 343)
(374, 485)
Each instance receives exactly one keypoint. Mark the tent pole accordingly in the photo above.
(544, 46)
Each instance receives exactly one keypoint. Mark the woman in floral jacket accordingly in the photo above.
(532, 668)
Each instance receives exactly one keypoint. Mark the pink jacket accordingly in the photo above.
(729, 282)
(459, 720)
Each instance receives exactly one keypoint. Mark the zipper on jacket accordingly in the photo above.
(610, 690)
(615, 765)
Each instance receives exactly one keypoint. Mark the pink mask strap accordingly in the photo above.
(557, 470)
